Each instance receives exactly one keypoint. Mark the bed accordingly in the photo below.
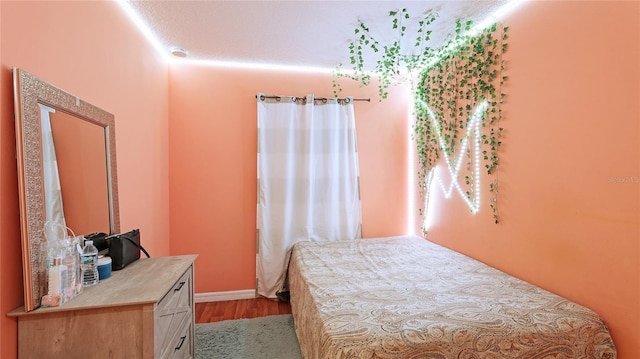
(405, 297)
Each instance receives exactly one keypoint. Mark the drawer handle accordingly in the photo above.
(179, 287)
(182, 338)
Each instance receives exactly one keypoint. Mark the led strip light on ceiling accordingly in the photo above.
(144, 28)
(164, 51)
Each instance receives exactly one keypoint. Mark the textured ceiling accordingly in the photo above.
(299, 33)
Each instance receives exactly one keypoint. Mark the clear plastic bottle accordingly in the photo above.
(89, 264)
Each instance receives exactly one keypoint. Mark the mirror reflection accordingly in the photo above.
(82, 167)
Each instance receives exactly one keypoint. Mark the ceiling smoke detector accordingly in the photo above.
(178, 52)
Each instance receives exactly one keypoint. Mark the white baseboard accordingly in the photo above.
(220, 296)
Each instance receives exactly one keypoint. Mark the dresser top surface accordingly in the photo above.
(146, 280)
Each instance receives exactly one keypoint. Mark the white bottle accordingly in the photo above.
(57, 278)
(89, 264)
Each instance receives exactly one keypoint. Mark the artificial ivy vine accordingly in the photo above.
(464, 78)
(394, 65)
(456, 86)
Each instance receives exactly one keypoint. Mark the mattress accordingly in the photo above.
(405, 297)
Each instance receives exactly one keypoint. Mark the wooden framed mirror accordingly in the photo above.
(66, 151)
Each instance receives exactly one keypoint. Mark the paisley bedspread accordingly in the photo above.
(405, 297)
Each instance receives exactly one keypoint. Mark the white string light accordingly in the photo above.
(473, 127)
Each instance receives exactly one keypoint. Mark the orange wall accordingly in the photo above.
(566, 225)
(92, 50)
(572, 133)
(213, 164)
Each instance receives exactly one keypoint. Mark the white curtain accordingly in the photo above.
(52, 192)
(307, 180)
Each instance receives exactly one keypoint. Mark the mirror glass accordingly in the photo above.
(82, 166)
(66, 171)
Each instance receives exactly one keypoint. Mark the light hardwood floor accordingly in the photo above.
(238, 309)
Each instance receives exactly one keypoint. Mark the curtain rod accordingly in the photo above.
(323, 99)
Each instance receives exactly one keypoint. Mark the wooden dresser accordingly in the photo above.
(143, 311)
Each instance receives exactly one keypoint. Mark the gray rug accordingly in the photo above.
(264, 338)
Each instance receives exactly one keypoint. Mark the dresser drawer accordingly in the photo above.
(179, 295)
(174, 313)
(181, 347)
(170, 332)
